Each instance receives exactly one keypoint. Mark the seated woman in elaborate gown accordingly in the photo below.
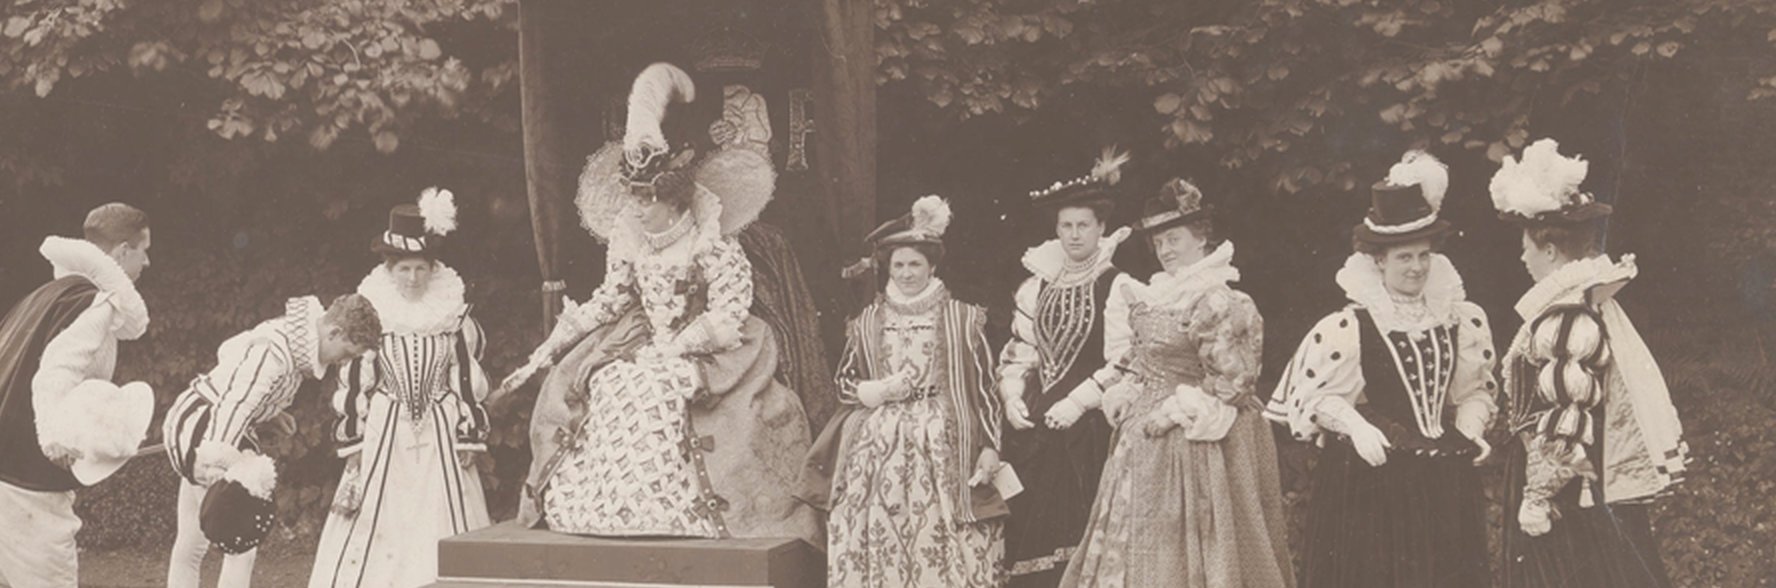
(674, 423)
(906, 468)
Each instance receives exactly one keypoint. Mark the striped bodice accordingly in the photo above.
(415, 368)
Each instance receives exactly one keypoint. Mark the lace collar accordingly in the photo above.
(934, 293)
(439, 310)
(79, 257)
(302, 328)
(1048, 260)
(1569, 284)
(1174, 289)
(629, 242)
(1361, 280)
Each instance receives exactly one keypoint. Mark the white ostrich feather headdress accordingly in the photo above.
(1542, 183)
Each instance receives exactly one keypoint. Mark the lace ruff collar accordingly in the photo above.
(1569, 284)
(1174, 289)
(1048, 260)
(934, 293)
(440, 310)
(1361, 280)
(79, 257)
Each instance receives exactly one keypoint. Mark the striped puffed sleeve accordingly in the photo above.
(1020, 357)
(469, 384)
(352, 387)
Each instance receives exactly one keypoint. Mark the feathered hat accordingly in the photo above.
(1084, 190)
(925, 224)
(411, 227)
(1404, 206)
(1543, 188)
(237, 512)
(1178, 202)
(646, 165)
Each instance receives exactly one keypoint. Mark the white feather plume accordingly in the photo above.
(438, 207)
(1543, 181)
(256, 473)
(1418, 168)
(931, 215)
(1108, 168)
(657, 87)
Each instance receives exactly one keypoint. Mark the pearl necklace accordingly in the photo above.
(1410, 308)
(666, 238)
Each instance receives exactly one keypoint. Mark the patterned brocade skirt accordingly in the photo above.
(1179, 513)
(632, 470)
(893, 521)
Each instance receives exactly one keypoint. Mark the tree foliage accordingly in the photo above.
(271, 69)
(1276, 83)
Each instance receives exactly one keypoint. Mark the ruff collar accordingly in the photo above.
(920, 303)
(440, 310)
(629, 242)
(1570, 283)
(1361, 280)
(302, 327)
(79, 257)
(1046, 261)
(1174, 288)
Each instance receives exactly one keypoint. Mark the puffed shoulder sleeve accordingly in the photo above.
(352, 386)
(1232, 336)
(471, 385)
(1473, 388)
(1326, 367)
(1019, 355)
(1568, 349)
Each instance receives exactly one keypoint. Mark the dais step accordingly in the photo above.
(510, 555)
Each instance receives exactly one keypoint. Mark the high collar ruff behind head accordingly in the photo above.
(439, 310)
(79, 257)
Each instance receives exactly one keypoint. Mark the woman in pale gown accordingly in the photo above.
(1190, 496)
(410, 416)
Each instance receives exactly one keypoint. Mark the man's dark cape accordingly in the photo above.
(26, 330)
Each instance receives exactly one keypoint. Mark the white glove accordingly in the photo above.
(1535, 517)
(1371, 445)
(351, 489)
(1064, 413)
(1470, 421)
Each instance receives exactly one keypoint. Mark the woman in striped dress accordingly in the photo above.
(410, 415)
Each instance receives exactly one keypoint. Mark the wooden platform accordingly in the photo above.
(508, 555)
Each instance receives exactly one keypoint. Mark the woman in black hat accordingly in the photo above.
(1597, 437)
(410, 415)
(907, 467)
(1060, 339)
(1398, 388)
(1190, 496)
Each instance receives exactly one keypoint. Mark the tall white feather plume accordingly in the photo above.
(438, 207)
(657, 87)
(1108, 168)
(1418, 168)
(256, 473)
(1543, 181)
(931, 215)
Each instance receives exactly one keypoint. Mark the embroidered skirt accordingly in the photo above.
(892, 522)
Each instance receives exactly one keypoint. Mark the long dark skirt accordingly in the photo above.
(1059, 471)
(1414, 522)
(1608, 546)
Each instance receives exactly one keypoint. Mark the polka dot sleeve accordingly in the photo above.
(1326, 365)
